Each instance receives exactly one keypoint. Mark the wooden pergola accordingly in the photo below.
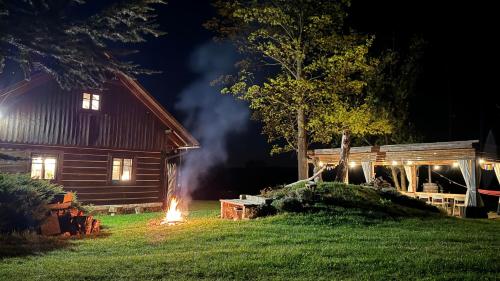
(461, 154)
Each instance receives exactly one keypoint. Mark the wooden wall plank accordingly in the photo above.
(86, 171)
(50, 116)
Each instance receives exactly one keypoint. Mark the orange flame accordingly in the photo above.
(173, 213)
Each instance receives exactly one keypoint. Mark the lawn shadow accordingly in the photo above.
(29, 243)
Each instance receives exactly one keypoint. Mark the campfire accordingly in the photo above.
(173, 215)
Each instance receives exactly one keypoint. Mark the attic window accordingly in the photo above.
(91, 101)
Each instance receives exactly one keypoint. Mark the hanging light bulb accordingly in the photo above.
(455, 165)
(352, 164)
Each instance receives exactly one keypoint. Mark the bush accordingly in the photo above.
(23, 202)
(265, 210)
(304, 194)
(366, 200)
(288, 204)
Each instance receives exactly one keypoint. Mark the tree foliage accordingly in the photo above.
(303, 72)
(74, 40)
(396, 83)
(345, 102)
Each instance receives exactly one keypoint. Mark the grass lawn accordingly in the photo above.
(283, 247)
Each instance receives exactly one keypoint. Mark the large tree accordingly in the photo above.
(303, 73)
(74, 41)
(396, 83)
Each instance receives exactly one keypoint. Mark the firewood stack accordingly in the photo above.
(67, 220)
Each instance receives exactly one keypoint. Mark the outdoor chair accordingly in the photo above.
(448, 204)
(424, 198)
(438, 201)
(458, 204)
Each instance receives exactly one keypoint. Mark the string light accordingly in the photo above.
(394, 163)
(481, 161)
(437, 167)
(455, 164)
(352, 164)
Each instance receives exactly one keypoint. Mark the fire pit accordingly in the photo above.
(174, 215)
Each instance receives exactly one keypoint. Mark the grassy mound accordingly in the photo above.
(341, 199)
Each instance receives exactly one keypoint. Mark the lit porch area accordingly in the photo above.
(429, 158)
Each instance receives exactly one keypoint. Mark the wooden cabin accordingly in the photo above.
(111, 147)
(463, 155)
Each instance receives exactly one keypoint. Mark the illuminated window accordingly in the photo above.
(122, 169)
(43, 167)
(91, 101)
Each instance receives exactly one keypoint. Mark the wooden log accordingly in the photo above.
(66, 224)
(50, 226)
(59, 206)
(96, 226)
(88, 224)
(78, 225)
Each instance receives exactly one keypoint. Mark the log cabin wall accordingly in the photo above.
(48, 120)
(87, 172)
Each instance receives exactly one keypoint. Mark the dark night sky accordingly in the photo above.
(457, 97)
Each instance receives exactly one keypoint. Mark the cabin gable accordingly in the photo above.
(46, 115)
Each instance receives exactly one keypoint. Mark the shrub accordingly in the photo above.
(23, 202)
(304, 194)
(366, 200)
(288, 204)
(265, 210)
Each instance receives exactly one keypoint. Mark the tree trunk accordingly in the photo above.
(345, 148)
(395, 178)
(301, 145)
(403, 178)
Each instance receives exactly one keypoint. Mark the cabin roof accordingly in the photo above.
(149, 101)
(134, 87)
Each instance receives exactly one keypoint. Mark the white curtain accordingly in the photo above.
(409, 176)
(496, 167)
(367, 170)
(468, 169)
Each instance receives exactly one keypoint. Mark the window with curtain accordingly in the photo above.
(43, 167)
(122, 169)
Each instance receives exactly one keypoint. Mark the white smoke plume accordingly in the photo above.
(211, 116)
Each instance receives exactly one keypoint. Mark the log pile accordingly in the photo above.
(67, 220)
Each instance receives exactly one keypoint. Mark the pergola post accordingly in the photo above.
(429, 171)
